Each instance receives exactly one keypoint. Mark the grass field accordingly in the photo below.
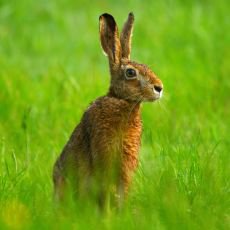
(52, 67)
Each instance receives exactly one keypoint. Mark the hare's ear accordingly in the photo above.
(126, 35)
(109, 36)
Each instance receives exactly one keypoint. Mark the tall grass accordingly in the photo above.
(52, 67)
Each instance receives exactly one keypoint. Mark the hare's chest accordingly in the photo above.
(128, 134)
(132, 138)
(130, 146)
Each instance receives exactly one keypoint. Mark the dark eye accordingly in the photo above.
(130, 73)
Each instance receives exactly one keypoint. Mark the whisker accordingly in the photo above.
(163, 107)
(165, 97)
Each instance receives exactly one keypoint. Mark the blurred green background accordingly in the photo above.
(52, 67)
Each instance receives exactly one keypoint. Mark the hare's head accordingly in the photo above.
(129, 80)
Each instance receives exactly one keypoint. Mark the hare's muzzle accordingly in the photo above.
(158, 88)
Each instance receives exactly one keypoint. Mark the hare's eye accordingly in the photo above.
(130, 73)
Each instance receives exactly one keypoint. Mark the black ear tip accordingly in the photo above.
(109, 19)
(106, 16)
(131, 14)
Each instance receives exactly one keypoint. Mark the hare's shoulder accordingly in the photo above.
(112, 114)
(107, 107)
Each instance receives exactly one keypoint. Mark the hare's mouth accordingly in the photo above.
(157, 95)
(153, 96)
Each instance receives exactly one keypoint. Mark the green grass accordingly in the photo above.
(52, 67)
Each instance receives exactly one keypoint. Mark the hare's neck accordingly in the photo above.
(129, 110)
(130, 116)
(112, 93)
(133, 110)
(129, 103)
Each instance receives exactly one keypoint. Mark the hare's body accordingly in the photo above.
(102, 152)
(103, 149)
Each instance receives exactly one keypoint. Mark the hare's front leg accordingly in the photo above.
(104, 184)
(106, 174)
(128, 166)
(120, 194)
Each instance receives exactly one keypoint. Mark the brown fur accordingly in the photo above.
(102, 152)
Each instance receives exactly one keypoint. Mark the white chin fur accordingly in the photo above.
(157, 94)
(161, 93)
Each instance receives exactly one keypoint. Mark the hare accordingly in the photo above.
(102, 153)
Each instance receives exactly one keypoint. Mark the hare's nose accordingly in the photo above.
(158, 88)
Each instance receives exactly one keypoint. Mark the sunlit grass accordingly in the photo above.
(52, 67)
